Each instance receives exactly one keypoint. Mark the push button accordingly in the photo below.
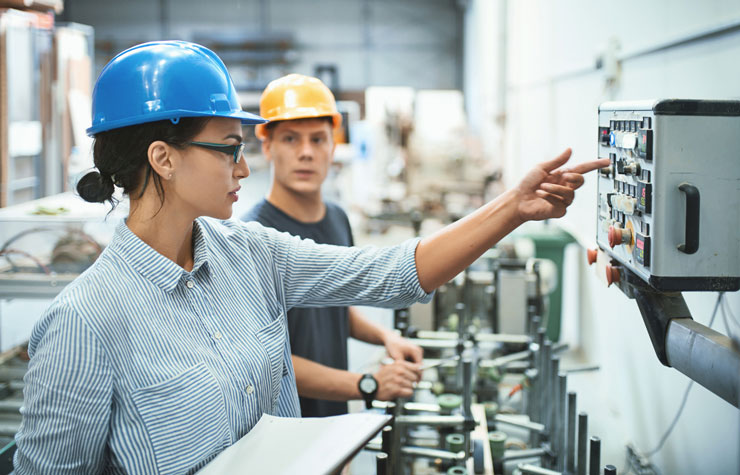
(618, 236)
(249, 389)
(189, 284)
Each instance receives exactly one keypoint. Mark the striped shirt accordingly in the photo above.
(139, 366)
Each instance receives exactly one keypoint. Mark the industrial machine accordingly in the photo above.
(673, 161)
(668, 221)
(490, 401)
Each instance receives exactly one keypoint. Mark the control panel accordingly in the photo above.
(669, 203)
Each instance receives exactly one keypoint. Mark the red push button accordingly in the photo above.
(591, 255)
(618, 236)
(612, 275)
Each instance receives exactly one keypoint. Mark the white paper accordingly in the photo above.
(286, 445)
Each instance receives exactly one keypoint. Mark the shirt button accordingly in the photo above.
(189, 284)
(250, 389)
(217, 335)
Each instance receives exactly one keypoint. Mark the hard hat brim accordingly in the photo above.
(261, 131)
(246, 118)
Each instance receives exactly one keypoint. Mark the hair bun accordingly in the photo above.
(95, 188)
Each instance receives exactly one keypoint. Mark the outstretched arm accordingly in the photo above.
(545, 192)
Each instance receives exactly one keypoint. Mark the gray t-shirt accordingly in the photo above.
(318, 334)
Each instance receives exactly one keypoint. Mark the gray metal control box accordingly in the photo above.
(669, 203)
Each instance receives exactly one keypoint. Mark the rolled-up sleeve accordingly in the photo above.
(67, 398)
(324, 275)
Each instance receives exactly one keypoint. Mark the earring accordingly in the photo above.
(169, 176)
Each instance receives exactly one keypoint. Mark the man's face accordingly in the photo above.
(301, 152)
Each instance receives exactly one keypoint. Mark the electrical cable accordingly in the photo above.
(725, 312)
(5, 252)
(685, 398)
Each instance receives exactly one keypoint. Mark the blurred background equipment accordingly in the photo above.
(446, 104)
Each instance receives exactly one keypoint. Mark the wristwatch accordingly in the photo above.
(368, 386)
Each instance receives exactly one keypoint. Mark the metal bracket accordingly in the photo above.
(657, 309)
(704, 355)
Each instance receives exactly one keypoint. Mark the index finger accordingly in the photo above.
(558, 161)
(586, 167)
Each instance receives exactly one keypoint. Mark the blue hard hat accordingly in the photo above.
(164, 80)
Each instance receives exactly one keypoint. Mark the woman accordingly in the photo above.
(173, 344)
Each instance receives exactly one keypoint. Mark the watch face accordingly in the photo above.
(368, 384)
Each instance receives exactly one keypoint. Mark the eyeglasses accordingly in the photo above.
(234, 150)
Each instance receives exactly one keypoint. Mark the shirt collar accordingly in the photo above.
(152, 265)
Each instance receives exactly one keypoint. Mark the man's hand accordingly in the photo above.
(547, 190)
(400, 349)
(397, 380)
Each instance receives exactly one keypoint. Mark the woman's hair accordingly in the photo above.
(120, 156)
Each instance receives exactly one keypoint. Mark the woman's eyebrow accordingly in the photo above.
(238, 137)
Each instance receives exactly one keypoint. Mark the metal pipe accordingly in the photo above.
(559, 347)
(510, 455)
(516, 422)
(706, 356)
(503, 338)
(539, 358)
(504, 360)
(381, 464)
(595, 456)
(438, 344)
(467, 397)
(10, 405)
(570, 445)
(430, 420)
(581, 369)
(433, 454)
(562, 395)
(409, 406)
(545, 372)
(552, 414)
(527, 469)
(582, 441)
(460, 311)
(396, 461)
(386, 446)
(531, 376)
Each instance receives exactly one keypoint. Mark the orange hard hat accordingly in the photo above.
(296, 96)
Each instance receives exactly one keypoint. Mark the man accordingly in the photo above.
(298, 142)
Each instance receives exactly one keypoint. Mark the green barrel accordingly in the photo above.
(549, 243)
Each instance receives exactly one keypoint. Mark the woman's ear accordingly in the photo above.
(161, 159)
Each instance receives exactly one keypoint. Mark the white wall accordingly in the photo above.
(552, 96)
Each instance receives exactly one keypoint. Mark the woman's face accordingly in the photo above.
(206, 182)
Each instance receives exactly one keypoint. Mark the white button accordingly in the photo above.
(217, 335)
(189, 284)
(250, 389)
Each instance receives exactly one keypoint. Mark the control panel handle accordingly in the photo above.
(691, 244)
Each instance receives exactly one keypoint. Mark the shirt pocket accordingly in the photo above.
(272, 337)
(185, 418)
